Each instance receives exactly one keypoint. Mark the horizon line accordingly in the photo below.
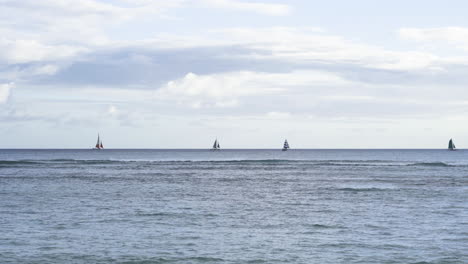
(291, 149)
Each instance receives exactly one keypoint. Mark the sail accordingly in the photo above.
(285, 145)
(101, 146)
(98, 142)
(451, 145)
(216, 144)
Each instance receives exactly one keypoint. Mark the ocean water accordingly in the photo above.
(233, 206)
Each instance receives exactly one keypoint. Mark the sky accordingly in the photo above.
(179, 73)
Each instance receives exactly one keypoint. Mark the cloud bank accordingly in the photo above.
(141, 65)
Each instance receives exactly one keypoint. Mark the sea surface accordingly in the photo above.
(233, 206)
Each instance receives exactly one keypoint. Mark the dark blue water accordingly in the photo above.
(233, 206)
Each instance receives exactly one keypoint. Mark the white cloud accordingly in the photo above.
(225, 89)
(227, 103)
(448, 34)
(27, 72)
(48, 30)
(86, 10)
(278, 115)
(48, 69)
(5, 91)
(219, 85)
(348, 98)
(303, 45)
(112, 110)
(263, 8)
(440, 39)
(24, 51)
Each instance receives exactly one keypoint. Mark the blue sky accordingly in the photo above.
(177, 74)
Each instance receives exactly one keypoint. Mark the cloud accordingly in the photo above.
(447, 34)
(47, 69)
(49, 30)
(216, 90)
(83, 52)
(439, 40)
(278, 115)
(296, 46)
(89, 11)
(320, 94)
(225, 89)
(5, 91)
(112, 109)
(219, 85)
(348, 98)
(27, 51)
(263, 8)
(311, 45)
(150, 63)
(294, 70)
(147, 67)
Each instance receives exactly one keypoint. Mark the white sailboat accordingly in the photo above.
(216, 145)
(99, 143)
(285, 145)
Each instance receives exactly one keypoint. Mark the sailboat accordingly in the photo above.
(286, 145)
(216, 145)
(99, 143)
(451, 145)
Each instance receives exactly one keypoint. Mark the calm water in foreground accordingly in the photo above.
(233, 206)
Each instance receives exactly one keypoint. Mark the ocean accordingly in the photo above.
(233, 206)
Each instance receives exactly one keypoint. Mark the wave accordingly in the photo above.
(432, 164)
(365, 189)
(323, 226)
(156, 214)
(184, 160)
(17, 162)
(348, 163)
(56, 161)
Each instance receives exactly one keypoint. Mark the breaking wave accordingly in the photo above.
(331, 163)
(432, 164)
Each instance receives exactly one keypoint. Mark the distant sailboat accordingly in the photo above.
(216, 145)
(98, 143)
(451, 145)
(286, 145)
